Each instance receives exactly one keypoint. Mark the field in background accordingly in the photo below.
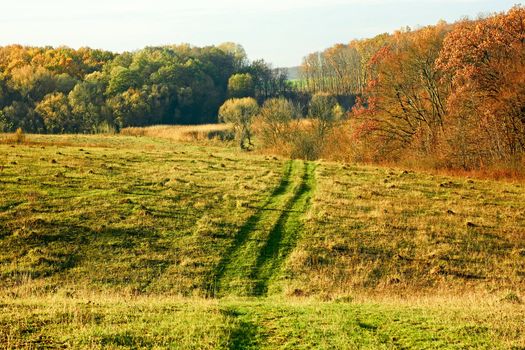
(221, 132)
(125, 241)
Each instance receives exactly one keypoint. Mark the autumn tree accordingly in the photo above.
(343, 68)
(56, 114)
(486, 61)
(31, 82)
(404, 105)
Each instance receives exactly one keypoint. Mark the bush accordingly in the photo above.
(305, 145)
(104, 128)
(282, 130)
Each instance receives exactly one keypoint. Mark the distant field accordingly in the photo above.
(160, 240)
(183, 133)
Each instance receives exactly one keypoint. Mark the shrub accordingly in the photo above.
(19, 136)
(282, 130)
(305, 145)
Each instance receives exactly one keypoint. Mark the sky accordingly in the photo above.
(281, 32)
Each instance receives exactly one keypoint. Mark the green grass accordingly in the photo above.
(148, 322)
(263, 244)
(145, 216)
(140, 242)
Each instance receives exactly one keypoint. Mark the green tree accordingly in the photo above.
(19, 115)
(88, 102)
(241, 85)
(237, 52)
(240, 113)
(130, 108)
(64, 83)
(121, 79)
(56, 114)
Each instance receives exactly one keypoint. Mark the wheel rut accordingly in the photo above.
(261, 246)
(284, 235)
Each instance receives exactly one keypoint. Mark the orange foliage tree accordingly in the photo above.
(404, 103)
(485, 60)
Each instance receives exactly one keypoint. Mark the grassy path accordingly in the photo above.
(267, 238)
(284, 235)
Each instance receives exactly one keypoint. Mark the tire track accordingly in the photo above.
(226, 264)
(245, 332)
(283, 237)
(268, 237)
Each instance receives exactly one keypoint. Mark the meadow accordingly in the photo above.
(162, 238)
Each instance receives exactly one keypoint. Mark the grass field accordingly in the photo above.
(154, 242)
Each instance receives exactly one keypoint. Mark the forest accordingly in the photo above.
(450, 95)
(62, 90)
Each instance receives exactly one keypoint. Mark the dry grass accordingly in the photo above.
(496, 172)
(18, 137)
(341, 145)
(378, 231)
(183, 132)
(491, 173)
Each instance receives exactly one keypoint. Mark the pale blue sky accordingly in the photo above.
(280, 31)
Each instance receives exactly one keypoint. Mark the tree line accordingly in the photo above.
(452, 94)
(63, 90)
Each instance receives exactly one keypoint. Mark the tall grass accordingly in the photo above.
(223, 132)
(18, 137)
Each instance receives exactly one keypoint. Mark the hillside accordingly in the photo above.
(132, 240)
